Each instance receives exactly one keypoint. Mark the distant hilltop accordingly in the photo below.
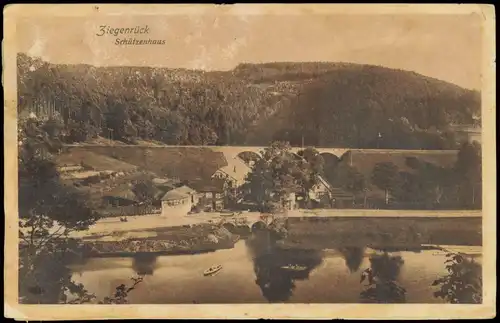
(320, 104)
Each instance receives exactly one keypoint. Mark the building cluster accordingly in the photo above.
(225, 189)
(218, 188)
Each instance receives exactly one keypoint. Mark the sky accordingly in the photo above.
(446, 47)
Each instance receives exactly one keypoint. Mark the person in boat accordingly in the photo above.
(294, 267)
(212, 270)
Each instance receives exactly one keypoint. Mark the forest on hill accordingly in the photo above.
(320, 104)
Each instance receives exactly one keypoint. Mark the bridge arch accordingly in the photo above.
(257, 226)
(346, 156)
(329, 159)
(329, 155)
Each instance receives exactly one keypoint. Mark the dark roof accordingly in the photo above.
(122, 192)
(339, 193)
(207, 185)
(176, 194)
(166, 184)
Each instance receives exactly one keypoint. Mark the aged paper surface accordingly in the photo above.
(249, 161)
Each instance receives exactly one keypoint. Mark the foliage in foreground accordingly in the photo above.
(119, 297)
(463, 283)
(49, 212)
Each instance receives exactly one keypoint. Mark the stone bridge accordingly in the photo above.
(228, 151)
(252, 221)
(231, 152)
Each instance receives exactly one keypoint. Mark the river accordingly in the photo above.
(252, 273)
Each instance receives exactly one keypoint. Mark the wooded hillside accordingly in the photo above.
(322, 104)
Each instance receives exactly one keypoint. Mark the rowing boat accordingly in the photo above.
(294, 267)
(212, 270)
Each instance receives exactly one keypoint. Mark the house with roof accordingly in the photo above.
(327, 195)
(165, 184)
(234, 172)
(290, 202)
(340, 198)
(468, 133)
(178, 201)
(212, 193)
(120, 196)
(323, 194)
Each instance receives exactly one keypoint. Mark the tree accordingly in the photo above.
(145, 191)
(119, 121)
(234, 110)
(434, 183)
(385, 177)
(428, 185)
(309, 169)
(274, 176)
(79, 131)
(348, 178)
(54, 127)
(463, 284)
(49, 211)
(280, 172)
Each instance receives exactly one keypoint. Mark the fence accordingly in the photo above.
(129, 210)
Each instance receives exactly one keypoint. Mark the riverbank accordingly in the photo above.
(306, 232)
(386, 213)
(403, 233)
(174, 240)
(112, 226)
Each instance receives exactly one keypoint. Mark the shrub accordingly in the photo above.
(463, 283)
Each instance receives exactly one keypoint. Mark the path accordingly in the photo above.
(110, 226)
(387, 213)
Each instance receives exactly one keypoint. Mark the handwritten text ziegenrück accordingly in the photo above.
(129, 31)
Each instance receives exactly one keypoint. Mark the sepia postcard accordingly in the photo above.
(249, 161)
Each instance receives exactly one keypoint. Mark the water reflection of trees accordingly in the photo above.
(382, 285)
(353, 257)
(277, 283)
(144, 263)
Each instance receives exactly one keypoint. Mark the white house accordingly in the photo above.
(321, 190)
(234, 173)
(290, 202)
(467, 133)
(325, 193)
(179, 201)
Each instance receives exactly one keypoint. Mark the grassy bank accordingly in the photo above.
(379, 232)
(175, 240)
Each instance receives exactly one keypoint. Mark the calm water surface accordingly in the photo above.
(252, 273)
